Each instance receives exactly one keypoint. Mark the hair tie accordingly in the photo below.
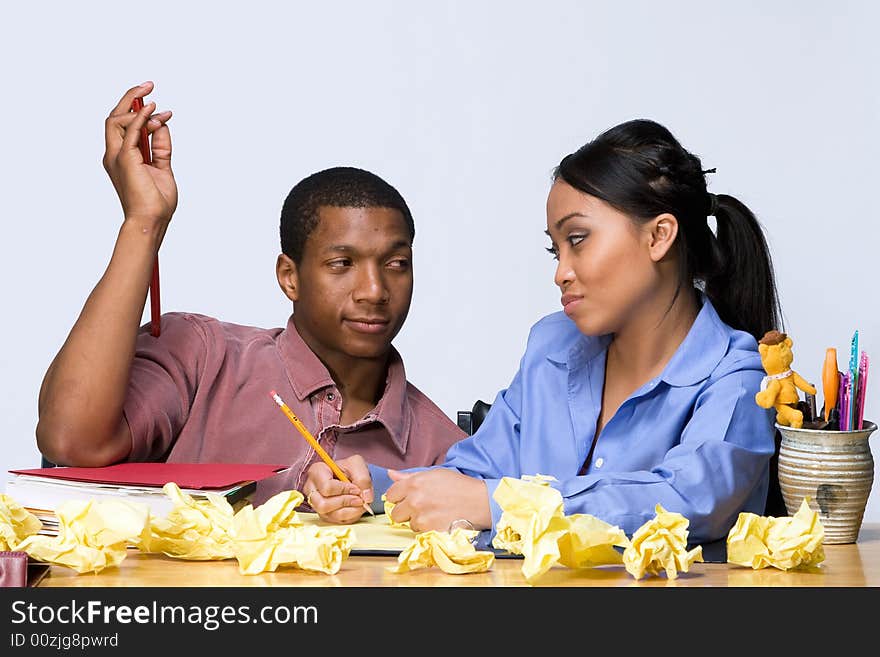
(713, 205)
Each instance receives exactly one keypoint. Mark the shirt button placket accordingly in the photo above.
(329, 408)
(330, 417)
(330, 443)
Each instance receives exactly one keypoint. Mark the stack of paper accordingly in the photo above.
(41, 490)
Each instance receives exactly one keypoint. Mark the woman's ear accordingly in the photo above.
(288, 277)
(663, 231)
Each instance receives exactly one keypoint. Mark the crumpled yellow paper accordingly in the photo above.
(200, 530)
(95, 535)
(785, 543)
(452, 552)
(16, 523)
(92, 535)
(529, 509)
(590, 542)
(271, 535)
(388, 506)
(661, 544)
(533, 524)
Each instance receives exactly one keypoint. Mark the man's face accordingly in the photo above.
(354, 283)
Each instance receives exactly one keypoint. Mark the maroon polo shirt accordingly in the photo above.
(200, 392)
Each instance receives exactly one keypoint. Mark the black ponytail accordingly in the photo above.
(639, 168)
(741, 284)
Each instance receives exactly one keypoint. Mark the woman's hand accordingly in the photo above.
(432, 499)
(334, 500)
(148, 192)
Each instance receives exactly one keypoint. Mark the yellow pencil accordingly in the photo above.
(314, 443)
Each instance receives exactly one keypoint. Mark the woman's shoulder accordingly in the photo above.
(741, 354)
(713, 350)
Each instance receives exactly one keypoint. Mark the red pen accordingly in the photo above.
(136, 106)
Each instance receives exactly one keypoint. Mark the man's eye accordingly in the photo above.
(552, 250)
(339, 263)
(399, 263)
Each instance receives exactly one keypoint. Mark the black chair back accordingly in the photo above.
(470, 421)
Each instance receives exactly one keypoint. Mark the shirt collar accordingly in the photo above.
(702, 349)
(393, 408)
(581, 352)
(694, 360)
(306, 372)
(308, 375)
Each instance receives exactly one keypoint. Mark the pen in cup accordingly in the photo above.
(810, 415)
(830, 381)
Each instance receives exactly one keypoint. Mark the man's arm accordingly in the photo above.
(81, 398)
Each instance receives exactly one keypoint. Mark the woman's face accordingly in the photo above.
(606, 272)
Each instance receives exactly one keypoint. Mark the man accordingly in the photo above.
(200, 391)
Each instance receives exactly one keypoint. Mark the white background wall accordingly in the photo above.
(465, 107)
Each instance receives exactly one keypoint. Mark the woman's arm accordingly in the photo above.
(718, 469)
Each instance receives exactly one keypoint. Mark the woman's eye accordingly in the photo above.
(574, 240)
(552, 250)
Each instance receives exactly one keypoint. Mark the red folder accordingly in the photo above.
(185, 475)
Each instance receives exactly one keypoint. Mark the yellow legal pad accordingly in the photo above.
(372, 534)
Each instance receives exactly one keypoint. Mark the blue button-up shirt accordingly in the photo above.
(692, 440)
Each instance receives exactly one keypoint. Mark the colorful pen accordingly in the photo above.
(830, 380)
(863, 384)
(841, 402)
(853, 379)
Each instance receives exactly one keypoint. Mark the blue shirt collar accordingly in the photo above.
(702, 349)
(694, 360)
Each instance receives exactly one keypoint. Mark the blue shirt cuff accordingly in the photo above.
(381, 483)
(486, 536)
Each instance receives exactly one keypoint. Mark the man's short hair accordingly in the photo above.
(338, 187)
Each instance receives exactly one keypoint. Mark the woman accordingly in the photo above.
(641, 391)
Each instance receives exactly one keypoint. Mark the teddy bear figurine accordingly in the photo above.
(779, 389)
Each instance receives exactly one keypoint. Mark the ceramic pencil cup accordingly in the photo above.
(835, 469)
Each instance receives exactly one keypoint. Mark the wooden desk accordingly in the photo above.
(853, 565)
